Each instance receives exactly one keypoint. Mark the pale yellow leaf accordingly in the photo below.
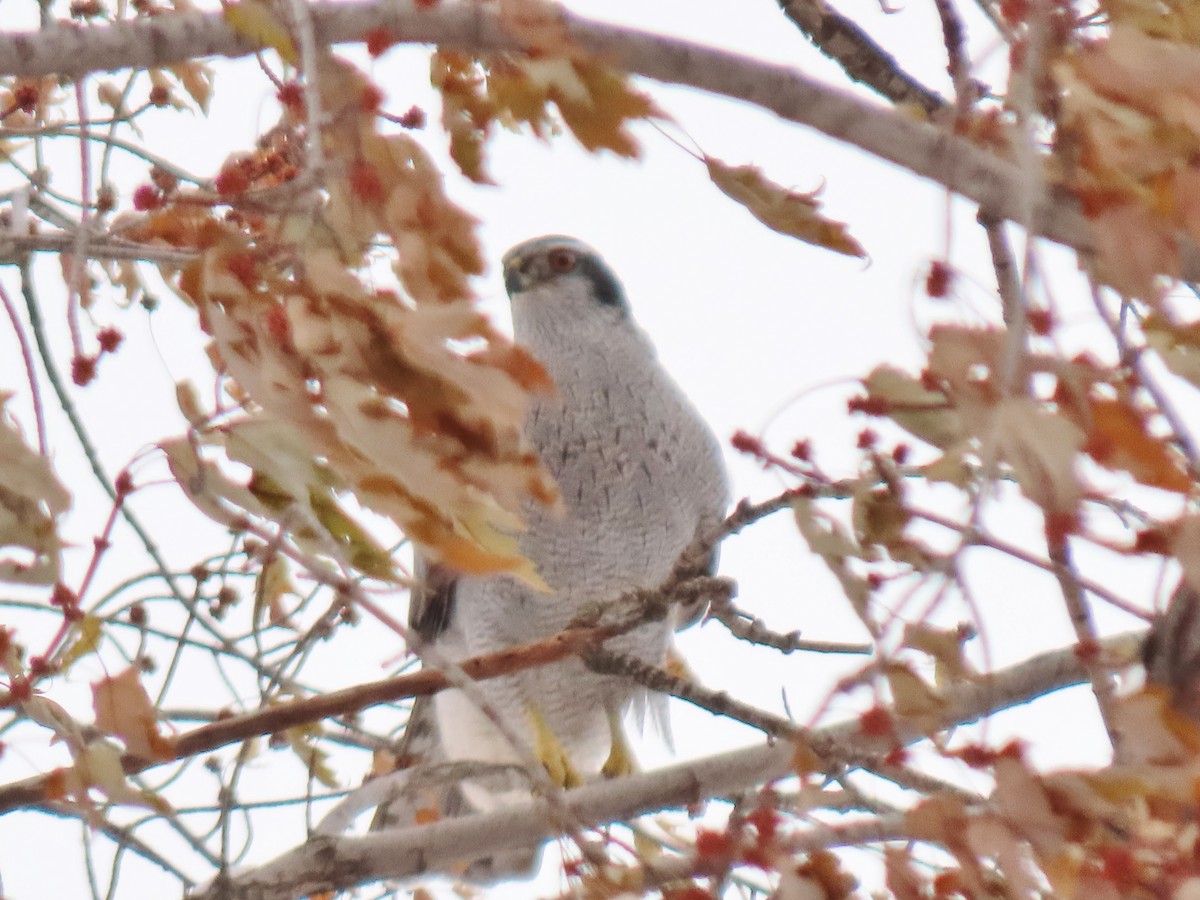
(197, 79)
(48, 714)
(258, 22)
(913, 698)
(302, 740)
(84, 639)
(945, 646)
(273, 582)
(927, 415)
(1177, 344)
(31, 499)
(98, 765)
(830, 540)
(110, 95)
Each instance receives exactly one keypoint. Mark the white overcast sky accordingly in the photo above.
(754, 325)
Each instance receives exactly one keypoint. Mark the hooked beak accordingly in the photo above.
(516, 275)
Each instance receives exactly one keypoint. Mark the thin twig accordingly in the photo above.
(1004, 264)
(746, 627)
(35, 393)
(302, 22)
(719, 703)
(1086, 636)
(977, 537)
(863, 60)
(958, 64)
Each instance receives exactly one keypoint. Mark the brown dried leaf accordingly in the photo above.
(950, 468)
(991, 837)
(1136, 249)
(273, 582)
(903, 880)
(1183, 539)
(1041, 448)
(1026, 807)
(942, 819)
(594, 103)
(598, 116)
(123, 708)
(414, 404)
(793, 213)
(880, 519)
(1152, 731)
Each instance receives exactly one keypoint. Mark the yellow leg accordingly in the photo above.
(550, 752)
(620, 758)
(678, 666)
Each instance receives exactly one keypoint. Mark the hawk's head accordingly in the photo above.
(565, 273)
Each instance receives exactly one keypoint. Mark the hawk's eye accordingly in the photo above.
(561, 261)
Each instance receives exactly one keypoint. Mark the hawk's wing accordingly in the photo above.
(431, 621)
(430, 611)
(693, 611)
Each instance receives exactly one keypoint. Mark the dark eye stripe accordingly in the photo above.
(608, 289)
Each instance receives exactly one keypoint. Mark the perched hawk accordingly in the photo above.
(640, 475)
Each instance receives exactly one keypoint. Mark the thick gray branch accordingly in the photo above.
(997, 185)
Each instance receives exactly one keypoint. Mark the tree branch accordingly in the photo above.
(335, 863)
(864, 61)
(996, 184)
(14, 249)
(273, 719)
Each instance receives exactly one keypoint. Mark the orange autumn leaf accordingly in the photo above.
(793, 213)
(594, 103)
(1118, 437)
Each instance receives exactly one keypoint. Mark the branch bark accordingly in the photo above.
(331, 863)
(843, 41)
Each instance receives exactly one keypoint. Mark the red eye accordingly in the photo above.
(561, 261)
